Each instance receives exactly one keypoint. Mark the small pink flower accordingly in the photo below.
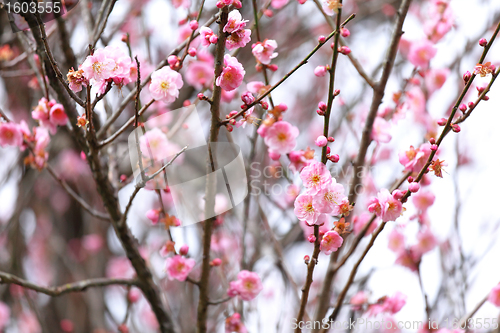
(58, 115)
(380, 131)
(264, 51)
(358, 300)
(92, 243)
(315, 177)
(234, 324)
(280, 137)
(247, 286)
(361, 221)
(423, 200)
(153, 215)
(165, 85)
(329, 198)
(321, 141)
(385, 206)
(414, 159)
(305, 210)
(199, 74)
(232, 74)
(421, 53)
(426, 242)
(331, 242)
(155, 142)
(179, 267)
(494, 296)
(238, 39)
(98, 66)
(395, 303)
(435, 79)
(10, 135)
(396, 241)
(234, 22)
(207, 36)
(320, 71)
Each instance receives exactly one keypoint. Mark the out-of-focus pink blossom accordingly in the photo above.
(421, 52)
(10, 135)
(4, 315)
(331, 6)
(396, 240)
(426, 241)
(280, 137)
(58, 115)
(494, 296)
(247, 286)
(435, 78)
(380, 131)
(179, 267)
(234, 324)
(423, 200)
(264, 51)
(199, 74)
(153, 215)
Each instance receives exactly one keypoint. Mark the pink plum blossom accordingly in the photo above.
(360, 222)
(58, 115)
(234, 324)
(305, 210)
(426, 242)
(234, 22)
(358, 300)
(329, 198)
(414, 159)
(423, 200)
(396, 240)
(264, 51)
(178, 267)
(421, 52)
(395, 303)
(247, 286)
(199, 74)
(280, 137)
(494, 296)
(331, 242)
(385, 206)
(207, 36)
(315, 177)
(165, 85)
(155, 142)
(320, 71)
(238, 39)
(153, 215)
(98, 66)
(232, 74)
(435, 79)
(380, 131)
(10, 135)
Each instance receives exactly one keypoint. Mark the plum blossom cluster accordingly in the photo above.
(50, 114)
(387, 206)
(239, 36)
(323, 197)
(247, 286)
(105, 66)
(264, 51)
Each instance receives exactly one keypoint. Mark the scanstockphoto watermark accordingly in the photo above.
(274, 180)
(361, 324)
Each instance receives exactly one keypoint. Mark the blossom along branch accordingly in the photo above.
(284, 78)
(107, 193)
(201, 320)
(131, 95)
(344, 291)
(331, 95)
(63, 183)
(79, 286)
(448, 126)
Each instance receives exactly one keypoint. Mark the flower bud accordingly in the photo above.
(311, 238)
(216, 262)
(321, 141)
(345, 32)
(274, 155)
(432, 141)
(192, 52)
(434, 147)
(410, 179)
(462, 107)
(442, 121)
(471, 105)
(414, 187)
(268, 13)
(331, 139)
(328, 150)
(398, 194)
(232, 122)
(273, 67)
(213, 39)
(193, 25)
(172, 60)
(455, 128)
(320, 71)
(345, 50)
(320, 112)
(321, 39)
(229, 128)
(467, 76)
(322, 106)
(483, 42)
(264, 105)
(334, 158)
